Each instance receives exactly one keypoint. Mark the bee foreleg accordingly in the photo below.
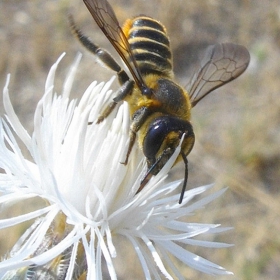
(132, 137)
(138, 118)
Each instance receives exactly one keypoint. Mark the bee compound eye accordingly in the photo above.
(165, 130)
(154, 137)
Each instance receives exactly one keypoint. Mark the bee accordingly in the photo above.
(159, 107)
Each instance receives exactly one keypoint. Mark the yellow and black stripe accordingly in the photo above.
(150, 45)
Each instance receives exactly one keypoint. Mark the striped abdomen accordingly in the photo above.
(150, 46)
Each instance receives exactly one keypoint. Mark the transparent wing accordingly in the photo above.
(106, 19)
(221, 64)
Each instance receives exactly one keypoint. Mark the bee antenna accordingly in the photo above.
(186, 177)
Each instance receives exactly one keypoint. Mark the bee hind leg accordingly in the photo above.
(102, 55)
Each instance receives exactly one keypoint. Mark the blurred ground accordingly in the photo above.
(237, 127)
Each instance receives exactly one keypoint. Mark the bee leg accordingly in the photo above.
(138, 118)
(186, 177)
(132, 137)
(124, 90)
(102, 55)
(106, 112)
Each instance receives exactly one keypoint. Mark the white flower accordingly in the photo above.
(90, 197)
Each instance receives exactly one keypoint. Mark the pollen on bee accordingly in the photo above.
(149, 103)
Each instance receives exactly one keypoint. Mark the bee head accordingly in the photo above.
(163, 137)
